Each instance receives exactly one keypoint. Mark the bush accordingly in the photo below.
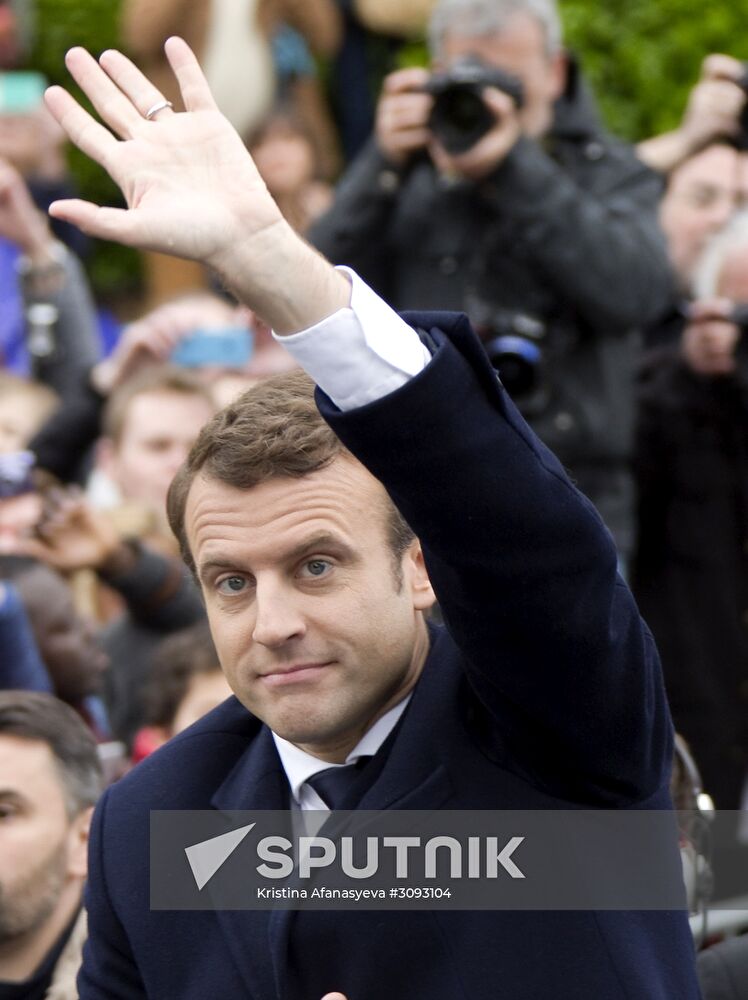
(60, 24)
(641, 57)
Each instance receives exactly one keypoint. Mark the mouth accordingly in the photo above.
(296, 673)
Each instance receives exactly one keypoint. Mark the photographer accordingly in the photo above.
(691, 578)
(543, 228)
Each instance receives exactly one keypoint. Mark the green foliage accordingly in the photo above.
(60, 24)
(643, 56)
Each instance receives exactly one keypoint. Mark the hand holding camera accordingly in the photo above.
(716, 104)
(467, 117)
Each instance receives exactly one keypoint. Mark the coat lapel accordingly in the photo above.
(257, 782)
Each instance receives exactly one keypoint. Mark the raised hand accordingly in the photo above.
(69, 534)
(403, 110)
(191, 187)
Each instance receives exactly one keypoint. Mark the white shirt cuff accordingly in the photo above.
(360, 353)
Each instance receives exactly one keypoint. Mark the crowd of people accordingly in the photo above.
(154, 471)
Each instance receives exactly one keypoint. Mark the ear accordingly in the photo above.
(418, 577)
(78, 844)
(559, 74)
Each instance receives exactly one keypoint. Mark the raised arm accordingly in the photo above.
(191, 188)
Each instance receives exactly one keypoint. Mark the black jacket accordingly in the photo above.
(564, 232)
(691, 574)
(543, 691)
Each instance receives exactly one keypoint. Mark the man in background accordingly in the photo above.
(50, 779)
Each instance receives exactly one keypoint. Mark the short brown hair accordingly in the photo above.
(32, 715)
(156, 378)
(271, 431)
(177, 659)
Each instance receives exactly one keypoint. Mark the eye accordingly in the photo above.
(231, 585)
(316, 567)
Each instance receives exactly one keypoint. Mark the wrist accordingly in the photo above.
(257, 273)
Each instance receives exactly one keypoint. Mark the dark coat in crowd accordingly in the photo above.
(691, 576)
(563, 233)
(543, 691)
(723, 970)
(161, 597)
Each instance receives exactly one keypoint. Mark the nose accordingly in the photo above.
(278, 617)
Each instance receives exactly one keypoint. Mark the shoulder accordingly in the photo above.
(188, 769)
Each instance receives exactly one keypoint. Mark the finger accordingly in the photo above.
(23, 545)
(103, 223)
(715, 308)
(412, 78)
(718, 66)
(500, 103)
(132, 83)
(407, 140)
(87, 134)
(407, 110)
(192, 83)
(112, 105)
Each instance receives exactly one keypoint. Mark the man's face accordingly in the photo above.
(316, 632)
(159, 429)
(520, 49)
(42, 851)
(702, 195)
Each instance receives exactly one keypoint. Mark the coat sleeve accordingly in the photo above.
(525, 573)
(108, 971)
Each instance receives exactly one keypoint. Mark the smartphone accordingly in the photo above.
(16, 474)
(225, 347)
(21, 92)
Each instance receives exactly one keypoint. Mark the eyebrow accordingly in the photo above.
(321, 541)
(11, 795)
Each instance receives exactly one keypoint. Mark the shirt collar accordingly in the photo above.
(300, 766)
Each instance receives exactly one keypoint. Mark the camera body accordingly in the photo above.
(460, 117)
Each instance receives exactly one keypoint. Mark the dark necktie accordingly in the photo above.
(334, 783)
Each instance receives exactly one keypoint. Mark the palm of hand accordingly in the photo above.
(194, 166)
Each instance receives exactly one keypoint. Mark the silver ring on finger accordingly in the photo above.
(158, 106)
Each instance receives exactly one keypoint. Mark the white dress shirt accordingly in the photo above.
(300, 766)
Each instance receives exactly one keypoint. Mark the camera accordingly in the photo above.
(514, 345)
(460, 117)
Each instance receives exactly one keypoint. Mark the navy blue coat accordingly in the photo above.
(543, 690)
